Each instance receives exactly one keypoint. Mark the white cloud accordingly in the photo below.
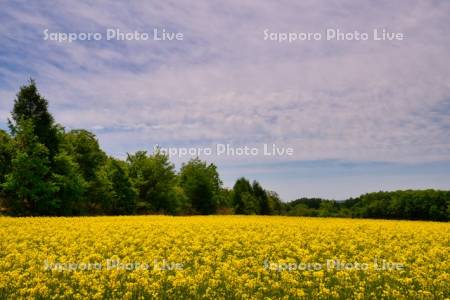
(338, 100)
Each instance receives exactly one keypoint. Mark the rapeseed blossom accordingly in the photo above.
(222, 257)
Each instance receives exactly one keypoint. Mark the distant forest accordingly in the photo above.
(48, 171)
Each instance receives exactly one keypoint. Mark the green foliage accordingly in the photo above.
(250, 205)
(122, 193)
(183, 205)
(276, 206)
(99, 192)
(328, 209)
(28, 187)
(301, 209)
(201, 185)
(70, 184)
(242, 190)
(83, 146)
(29, 105)
(250, 199)
(264, 205)
(409, 204)
(6, 151)
(155, 179)
(225, 201)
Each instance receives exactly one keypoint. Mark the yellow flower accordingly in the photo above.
(222, 257)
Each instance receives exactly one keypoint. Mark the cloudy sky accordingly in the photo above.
(360, 115)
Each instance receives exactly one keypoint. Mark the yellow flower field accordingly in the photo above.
(222, 257)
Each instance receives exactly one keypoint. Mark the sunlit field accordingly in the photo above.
(222, 257)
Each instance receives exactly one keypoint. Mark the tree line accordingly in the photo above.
(46, 170)
(409, 205)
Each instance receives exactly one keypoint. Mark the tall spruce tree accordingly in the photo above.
(30, 105)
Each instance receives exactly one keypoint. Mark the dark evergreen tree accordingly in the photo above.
(30, 105)
(28, 187)
(243, 198)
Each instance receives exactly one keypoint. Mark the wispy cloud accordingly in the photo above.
(357, 101)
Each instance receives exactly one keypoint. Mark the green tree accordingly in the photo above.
(250, 204)
(70, 184)
(327, 209)
(155, 179)
(5, 162)
(123, 195)
(30, 105)
(201, 184)
(84, 147)
(275, 203)
(28, 186)
(6, 150)
(301, 209)
(85, 150)
(408, 204)
(225, 202)
(183, 205)
(99, 192)
(244, 199)
(264, 205)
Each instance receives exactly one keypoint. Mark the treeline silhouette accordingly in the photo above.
(410, 205)
(48, 171)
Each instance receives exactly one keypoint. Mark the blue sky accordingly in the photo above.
(361, 116)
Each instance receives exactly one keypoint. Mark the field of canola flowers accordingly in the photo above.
(222, 257)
